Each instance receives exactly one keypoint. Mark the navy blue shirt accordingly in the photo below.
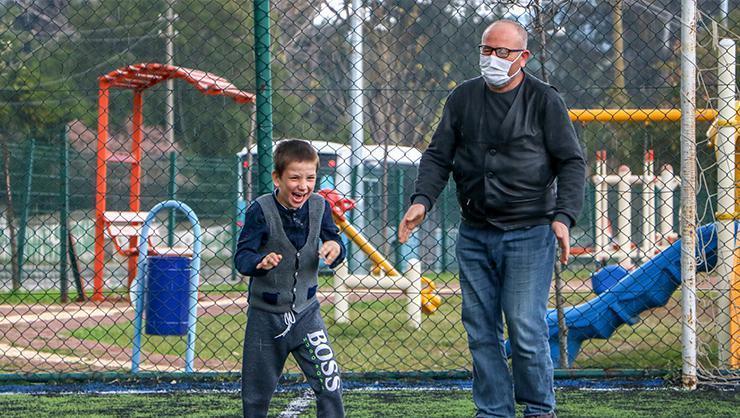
(295, 224)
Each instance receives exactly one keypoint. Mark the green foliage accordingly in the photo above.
(28, 107)
(210, 36)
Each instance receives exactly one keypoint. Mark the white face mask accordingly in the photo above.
(495, 70)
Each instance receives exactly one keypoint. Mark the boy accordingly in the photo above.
(279, 247)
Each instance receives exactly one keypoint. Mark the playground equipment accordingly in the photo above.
(725, 121)
(123, 227)
(653, 241)
(649, 286)
(162, 305)
(419, 290)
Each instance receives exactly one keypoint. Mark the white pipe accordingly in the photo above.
(666, 183)
(170, 59)
(624, 212)
(381, 281)
(652, 228)
(602, 208)
(409, 283)
(648, 206)
(725, 194)
(438, 250)
(413, 292)
(356, 113)
(341, 294)
(724, 14)
(688, 193)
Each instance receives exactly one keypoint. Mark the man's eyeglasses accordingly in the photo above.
(500, 52)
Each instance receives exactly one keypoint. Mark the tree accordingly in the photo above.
(20, 111)
(210, 36)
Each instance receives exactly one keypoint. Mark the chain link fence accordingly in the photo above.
(365, 82)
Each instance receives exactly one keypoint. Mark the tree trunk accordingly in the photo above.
(540, 29)
(559, 284)
(15, 279)
(618, 89)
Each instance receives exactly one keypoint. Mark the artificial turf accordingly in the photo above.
(407, 403)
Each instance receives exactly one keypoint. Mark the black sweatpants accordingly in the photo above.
(265, 355)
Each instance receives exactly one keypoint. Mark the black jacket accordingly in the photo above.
(531, 171)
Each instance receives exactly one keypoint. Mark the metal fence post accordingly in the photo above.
(63, 213)
(443, 225)
(399, 214)
(238, 213)
(264, 93)
(688, 193)
(171, 193)
(24, 207)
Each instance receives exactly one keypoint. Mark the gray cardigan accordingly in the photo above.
(292, 284)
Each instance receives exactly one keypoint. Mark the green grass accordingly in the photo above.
(40, 297)
(224, 288)
(443, 278)
(378, 338)
(407, 404)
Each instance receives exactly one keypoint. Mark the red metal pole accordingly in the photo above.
(100, 191)
(135, 196)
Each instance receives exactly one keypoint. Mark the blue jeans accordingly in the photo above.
(507, 274)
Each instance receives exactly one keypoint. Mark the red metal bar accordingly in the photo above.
(100, 191)
(135, 196)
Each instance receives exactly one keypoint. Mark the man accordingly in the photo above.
(520, 173)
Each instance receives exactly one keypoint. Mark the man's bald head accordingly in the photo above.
(511, 27)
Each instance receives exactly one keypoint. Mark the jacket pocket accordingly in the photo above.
(311, 292)
(270, 298)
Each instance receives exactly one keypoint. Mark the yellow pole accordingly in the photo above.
(637, 115)
(735, 279)
(365, 246)
(735, 314)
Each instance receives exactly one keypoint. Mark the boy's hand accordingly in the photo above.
(270, 261)
(329, 251)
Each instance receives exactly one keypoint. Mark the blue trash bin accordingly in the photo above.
(167, 295)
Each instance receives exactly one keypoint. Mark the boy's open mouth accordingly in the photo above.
(298, 197)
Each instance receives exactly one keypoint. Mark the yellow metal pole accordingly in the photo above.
(735, 279)
(734, 308)
(735, 314)
(637, 115)
(365, 246)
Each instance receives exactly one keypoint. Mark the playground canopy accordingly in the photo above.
(142, 76)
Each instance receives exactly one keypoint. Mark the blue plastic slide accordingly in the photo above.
(649, 286)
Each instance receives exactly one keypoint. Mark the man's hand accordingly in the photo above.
(329, 251)
(270, 261)
(413, 218)
(563, 236)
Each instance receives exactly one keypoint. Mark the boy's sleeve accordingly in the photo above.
(330, 232)
(252, 237)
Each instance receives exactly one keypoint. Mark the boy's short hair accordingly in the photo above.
(293, 150)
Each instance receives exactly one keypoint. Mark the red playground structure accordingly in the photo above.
(124, 226)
